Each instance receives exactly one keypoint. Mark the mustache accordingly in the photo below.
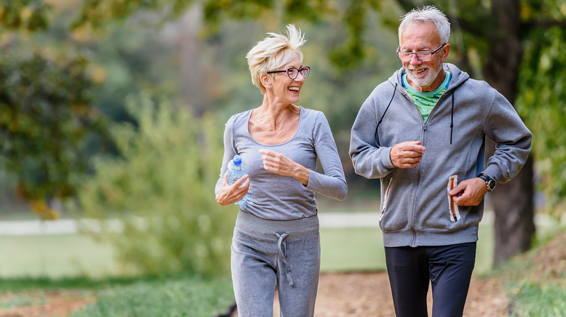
(415, 67)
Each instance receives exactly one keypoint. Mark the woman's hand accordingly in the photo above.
(280, 164)
(229, 194)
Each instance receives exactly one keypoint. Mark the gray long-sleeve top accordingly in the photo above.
(278, 197)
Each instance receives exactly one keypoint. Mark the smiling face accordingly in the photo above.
(424, 76)
(284, 89)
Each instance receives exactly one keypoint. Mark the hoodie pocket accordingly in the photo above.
(393, 216)
(452, 206)
(385, 199)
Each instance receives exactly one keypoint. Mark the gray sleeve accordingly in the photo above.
(333, 182)
(513, 140)
(369, 159)
(229, 152)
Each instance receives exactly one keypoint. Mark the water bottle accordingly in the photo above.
(236, 170)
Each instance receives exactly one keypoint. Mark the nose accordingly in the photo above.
(415, 59)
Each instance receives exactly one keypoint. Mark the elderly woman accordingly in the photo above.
(276, 238)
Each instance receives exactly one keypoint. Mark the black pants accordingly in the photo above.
(448, 268)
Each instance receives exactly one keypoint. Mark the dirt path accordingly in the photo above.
(369, 294)
(339, 295)
(57, 304)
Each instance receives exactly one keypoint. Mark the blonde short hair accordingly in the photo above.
(273, 52)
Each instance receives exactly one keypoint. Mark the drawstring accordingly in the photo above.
(452, 119)
(282, 255)
(389, 104)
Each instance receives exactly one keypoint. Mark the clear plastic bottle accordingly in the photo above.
(236, 170)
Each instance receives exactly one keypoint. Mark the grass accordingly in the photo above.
(20, 300)
(536, 288)
(55, 256)
(188, 296)
(533, 299)
(174, 296)
(75, 255)
(348, 249)
(16, 285)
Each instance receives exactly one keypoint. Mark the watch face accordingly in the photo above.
(491, 184)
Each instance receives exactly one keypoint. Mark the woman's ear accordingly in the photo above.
(266, 80)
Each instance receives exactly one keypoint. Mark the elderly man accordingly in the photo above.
(421, 132)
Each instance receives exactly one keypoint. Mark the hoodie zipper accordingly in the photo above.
(423, 137)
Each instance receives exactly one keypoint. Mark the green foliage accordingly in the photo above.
(45, 115)
(24, 14)
(168, 297)
(353, 15)
(27, 284)
(98, 13)
(534, 300)
(161, 188)
(541, 104)
(351, 53)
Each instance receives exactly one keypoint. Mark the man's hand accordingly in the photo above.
(229, 194)
(407, 154)
(469, 192)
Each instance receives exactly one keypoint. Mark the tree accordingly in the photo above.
(543, 91)
(45, 115)
(46, 111)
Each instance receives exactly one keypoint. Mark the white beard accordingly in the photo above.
(428, 79)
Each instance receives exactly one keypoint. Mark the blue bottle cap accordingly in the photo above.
(237, 160)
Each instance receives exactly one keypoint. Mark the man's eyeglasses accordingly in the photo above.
(423, 56)
(293, 73)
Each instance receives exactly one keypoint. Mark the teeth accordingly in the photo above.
(294, 88)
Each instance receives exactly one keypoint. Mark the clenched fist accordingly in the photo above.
(407, 154)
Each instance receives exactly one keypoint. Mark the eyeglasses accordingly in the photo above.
(293, 73)
(423, 56)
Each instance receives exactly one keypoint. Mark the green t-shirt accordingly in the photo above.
(425, 101)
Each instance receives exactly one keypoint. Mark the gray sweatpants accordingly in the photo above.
(266, 252)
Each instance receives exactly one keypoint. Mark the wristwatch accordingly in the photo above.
(490, 183)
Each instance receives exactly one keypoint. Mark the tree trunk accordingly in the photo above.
(513, 202)
(514, 215)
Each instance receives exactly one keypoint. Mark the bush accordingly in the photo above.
(161, 188)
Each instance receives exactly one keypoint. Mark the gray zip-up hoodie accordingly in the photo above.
(414, 202)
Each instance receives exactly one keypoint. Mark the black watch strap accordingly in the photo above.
(490, 183)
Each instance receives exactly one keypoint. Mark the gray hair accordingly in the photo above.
(427, 14)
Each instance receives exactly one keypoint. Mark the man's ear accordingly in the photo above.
(445, 50)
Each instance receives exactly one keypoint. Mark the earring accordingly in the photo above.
(269, 86)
